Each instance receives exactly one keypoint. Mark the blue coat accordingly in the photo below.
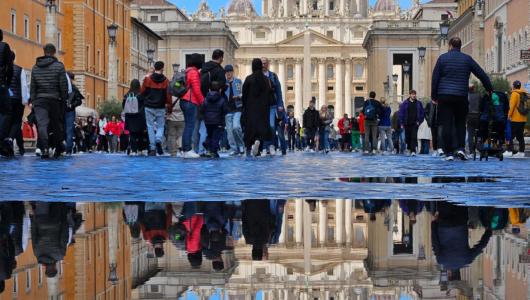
(451, 75)
(385, 116)
(404, 110)
(277, 87)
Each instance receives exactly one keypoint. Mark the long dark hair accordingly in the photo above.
(135, 87)
(257, 71)
(195, 61)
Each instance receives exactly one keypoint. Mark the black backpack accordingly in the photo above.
(524, 105)
(206, 83)
(178, 87)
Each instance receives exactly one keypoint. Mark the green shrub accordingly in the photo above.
(111, 107)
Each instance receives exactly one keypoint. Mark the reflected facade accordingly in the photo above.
(263, 249)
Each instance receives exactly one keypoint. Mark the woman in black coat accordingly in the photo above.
(257, 99)
(135, 122)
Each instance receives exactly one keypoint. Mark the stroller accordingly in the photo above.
(490, 136)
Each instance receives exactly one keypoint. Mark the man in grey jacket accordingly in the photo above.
(49, 91)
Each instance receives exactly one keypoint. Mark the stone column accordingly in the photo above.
(298, 103)
(248, 68)
(326, 8)
(303, 7)
(281, 77)
(50, 33)
(348, 221)
(298, 215)
(322, 83)
(270, 7)
(347, 88)
(112, 85)
(339, 221)
(322, 222)
(339, 91)
(307, 78)
(272, 65)
(285, 4)
(341, 7)
(283, 234)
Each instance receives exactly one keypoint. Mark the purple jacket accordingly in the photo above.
(403, 112)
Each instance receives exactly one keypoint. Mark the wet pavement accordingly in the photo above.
(98, 177)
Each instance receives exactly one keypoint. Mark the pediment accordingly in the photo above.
(317, 39)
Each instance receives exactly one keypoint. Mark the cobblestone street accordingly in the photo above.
(97, 177)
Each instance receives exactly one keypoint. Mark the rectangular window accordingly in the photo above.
(15, 286)
(290, 88)
(330, 88)
(329, 34)
(39, 32)
(359, 88)
(26, 27)
(289, 34)
(13, 21)
(98, 62)
(59, 41)
(260, 34)
(153, 19)
(39, 278)
(331, 5)
(87, 58)
(28, 280)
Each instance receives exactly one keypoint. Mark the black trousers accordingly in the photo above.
(15, 131)
(291, 140)
(411, 137)
(518, 134)
(435, 132)
(310, 134)
(452, 117)
(5, 113)
(135, 140)
(214, 135)
(346, 141)
(103, 143)
(50, 123)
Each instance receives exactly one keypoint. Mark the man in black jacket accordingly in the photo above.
(213, 71)
(6, 74)
(311, 122)
(18, 99)
(49, 91)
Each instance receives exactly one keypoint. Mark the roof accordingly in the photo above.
(385, 5)
(241, 8)
(144, 27)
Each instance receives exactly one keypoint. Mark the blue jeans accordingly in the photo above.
(272, 125)
(190, 114)
(324, 139)
(69, 119)
(234, 131)
(199, 136)
(156, 120)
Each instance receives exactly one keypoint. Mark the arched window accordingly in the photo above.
(359, 71)
(290, 72)
(331, 72)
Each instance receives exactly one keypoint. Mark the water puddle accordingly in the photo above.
(268, 249)
(417, 179)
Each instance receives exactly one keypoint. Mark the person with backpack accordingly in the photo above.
(311, 122)
(518, 116)
(103, 144)
(49, 92)
(190, 104)
(277, 115)
(450, 87)
(157, 101)
(6, 75)
(385, 128)
(74, 100)
(133, 111)
(411, 115)
(233, 94)
(372, 111)
(18, 101)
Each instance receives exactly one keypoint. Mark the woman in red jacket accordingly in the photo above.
(190, 103)
(113, 131)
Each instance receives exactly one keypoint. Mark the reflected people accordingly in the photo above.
(259, 224)
(154, 225)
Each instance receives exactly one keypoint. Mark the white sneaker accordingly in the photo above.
(272, 150)
(413, 154)
(507, 154)
(462, 155)
(519, 155)
(38, 152)
(255, 148)
(366, 152)
(191, 154)
(440, 152)
(450, 158)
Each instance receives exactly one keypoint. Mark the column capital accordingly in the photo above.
(348, 60)
(321, 60)
(298, 60)
(281, 60)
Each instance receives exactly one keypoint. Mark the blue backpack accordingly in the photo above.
(370, 111)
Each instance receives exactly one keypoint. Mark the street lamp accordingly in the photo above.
(395, 78)
(150, 55)
(406, 67)
(50, 4)
(113, 274)
(444, 30)
(113, 30)
(421, 52)
(176, 68)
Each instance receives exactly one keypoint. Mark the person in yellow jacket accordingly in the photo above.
(517, 120)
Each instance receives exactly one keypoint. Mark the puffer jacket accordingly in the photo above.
(6, 64)
(193, 83)
(48, 80)
(214, 109)
(451, 75)
(210, 72)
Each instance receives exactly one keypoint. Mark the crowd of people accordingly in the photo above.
(206, 109)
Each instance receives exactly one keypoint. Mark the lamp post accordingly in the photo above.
(421, 53)
(150, 56)
(386, 86)
(406, 77)
(395, 78)
(51, 24)
(444, 32)
(112, 30)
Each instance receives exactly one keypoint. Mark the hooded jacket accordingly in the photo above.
(48, 80)
(214, 109)
(156, 93)
(514, 115)
(210, 72)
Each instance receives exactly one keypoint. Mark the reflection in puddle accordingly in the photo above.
(417, 180)
(263, 249)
